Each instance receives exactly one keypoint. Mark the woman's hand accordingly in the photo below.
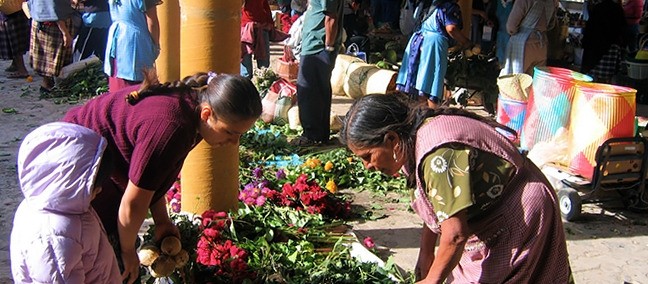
(426, 253)
(67, 37)
(165, 229)
(163, 225)
(131, 265)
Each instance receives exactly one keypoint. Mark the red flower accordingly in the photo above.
(288, 190)
(211, 233)
(369, 243)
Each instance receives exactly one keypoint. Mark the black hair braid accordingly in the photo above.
(197, 81)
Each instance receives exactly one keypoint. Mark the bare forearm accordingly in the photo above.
(331, 27)
(132, 211)
(451, 246)
(159, 211)
(426, 252)
(457, 35)
(447, 257)
(62, 27)
(153, 25)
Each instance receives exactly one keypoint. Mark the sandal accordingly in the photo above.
(17, 75)
(302, 141)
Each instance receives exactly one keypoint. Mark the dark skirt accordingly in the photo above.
(92, 41)
(14, 35)
(48, 55)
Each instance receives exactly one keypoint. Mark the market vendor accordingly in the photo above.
(528, 24)
(425, 61)
(151, 128)
(491, 209)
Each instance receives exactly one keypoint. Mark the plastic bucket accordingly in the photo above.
(549, 105)
(600, 112)
(511, 113)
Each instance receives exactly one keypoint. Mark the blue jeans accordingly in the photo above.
(246, 60)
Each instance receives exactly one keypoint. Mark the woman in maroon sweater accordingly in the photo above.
(150, 129)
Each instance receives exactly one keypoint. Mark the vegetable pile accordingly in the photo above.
(291, 223)
(162, 261)
(86, 83)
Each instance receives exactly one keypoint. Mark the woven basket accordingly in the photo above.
(286, 70)
(515, 86)
(10, 6)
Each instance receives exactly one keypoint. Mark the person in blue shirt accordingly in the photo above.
(425, 61)
(133, 41)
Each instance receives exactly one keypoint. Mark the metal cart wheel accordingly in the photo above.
(570, 203)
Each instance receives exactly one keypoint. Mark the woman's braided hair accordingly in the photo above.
(232, 97)
(151, 86)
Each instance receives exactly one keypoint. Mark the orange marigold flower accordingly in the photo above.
(328, 166)
(331, 186)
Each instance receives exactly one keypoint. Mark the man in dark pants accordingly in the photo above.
(322, 38)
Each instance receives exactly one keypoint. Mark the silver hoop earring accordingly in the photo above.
(395, 158)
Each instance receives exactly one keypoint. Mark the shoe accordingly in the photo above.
(302, 141)
(44, 91)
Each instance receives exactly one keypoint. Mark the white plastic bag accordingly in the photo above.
(554, 151)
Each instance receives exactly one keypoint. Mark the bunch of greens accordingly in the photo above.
(341, 166)
(84, 84)
(263, 79)
(271, 244)
(330, 168)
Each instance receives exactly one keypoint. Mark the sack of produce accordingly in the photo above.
(338, 76)
(363, 79)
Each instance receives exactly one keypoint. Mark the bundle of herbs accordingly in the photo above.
(270, 244)
(331, 168)
(86, 83)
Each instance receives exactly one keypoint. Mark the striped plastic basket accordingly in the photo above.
(600, 112)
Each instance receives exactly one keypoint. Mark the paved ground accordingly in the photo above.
(609, 245)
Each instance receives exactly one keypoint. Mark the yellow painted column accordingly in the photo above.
(168, 63)
(466, 15)
(209, 42)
